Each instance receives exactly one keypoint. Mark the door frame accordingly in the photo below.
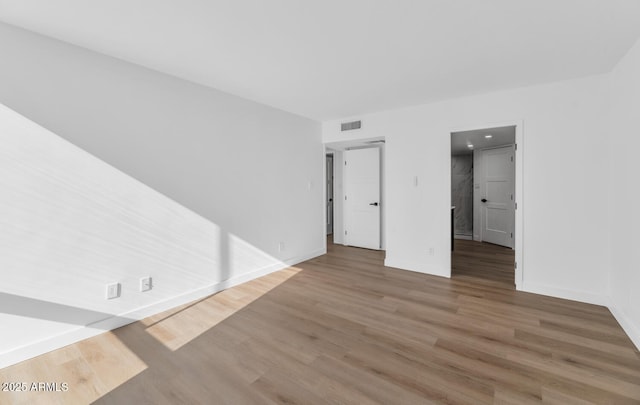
(519, 190)
(329, 199)
(337, 149)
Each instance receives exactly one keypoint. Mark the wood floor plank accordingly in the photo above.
(344, 329)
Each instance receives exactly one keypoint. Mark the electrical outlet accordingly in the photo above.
(431, 251)
(145, 284)
(280, 246)
(113, 291)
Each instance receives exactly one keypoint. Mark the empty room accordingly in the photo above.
(310, 202)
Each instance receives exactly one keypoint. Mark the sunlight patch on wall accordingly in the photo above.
(71, 224)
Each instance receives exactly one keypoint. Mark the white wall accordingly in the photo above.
(565, 150)
(72, 223)
(624, 136)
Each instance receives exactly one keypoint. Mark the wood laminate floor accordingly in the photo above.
(344, 329)
(482, 263)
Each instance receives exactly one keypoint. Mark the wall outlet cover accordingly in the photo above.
(146, 284)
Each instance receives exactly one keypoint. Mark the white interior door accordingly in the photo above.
(329, 175)
(497, 205)
(362, 198)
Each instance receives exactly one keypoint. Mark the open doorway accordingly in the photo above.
(329, 192)
(358, 189)
(483, 204)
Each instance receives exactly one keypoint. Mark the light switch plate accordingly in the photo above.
(113, 291)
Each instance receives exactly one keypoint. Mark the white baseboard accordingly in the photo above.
(84, 332)
(416, 267)
(573, 295)
(631, 329)
(463, 237)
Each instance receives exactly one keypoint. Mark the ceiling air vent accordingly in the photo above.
(348, 126)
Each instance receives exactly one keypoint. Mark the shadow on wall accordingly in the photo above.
(71, 224)
(17, 305)
(51, 311)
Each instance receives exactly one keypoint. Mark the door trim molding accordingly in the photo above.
(329, 205)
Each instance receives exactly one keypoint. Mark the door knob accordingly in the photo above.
(484, 200)
(375, 204)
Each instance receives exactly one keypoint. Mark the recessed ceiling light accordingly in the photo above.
(469, 146)
(488, 136)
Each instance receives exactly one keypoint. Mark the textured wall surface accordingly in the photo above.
(111, 172)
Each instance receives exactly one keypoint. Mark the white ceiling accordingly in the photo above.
(335, 58)
(500, 136)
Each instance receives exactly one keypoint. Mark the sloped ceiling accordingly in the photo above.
(335, 58)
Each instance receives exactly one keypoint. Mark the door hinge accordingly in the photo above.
(345, 162)
(511, 197)
(516, 263)
(512, 158)
(511, 235)
(516, 205)
(345, 198)
(345, 232)
(516, 146)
